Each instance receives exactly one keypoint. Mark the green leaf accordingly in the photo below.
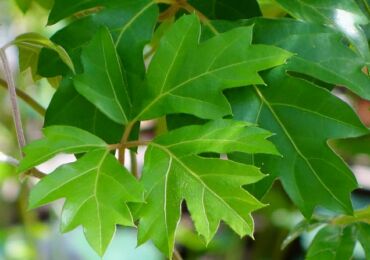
(97, 189)
(228, 9)
(320, 52)
(303, 118)
(212, 188)
(344, 15)
(30, 45)
(102, 82)
(65, 8)
(24, 5)
(68, 107)
(364, 237)
(131, 24)
(353, 146)
(332, 243)
(58, 139)
(186, 76)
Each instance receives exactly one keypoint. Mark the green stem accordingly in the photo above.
(26, 98)
(134, 168)
(362, 215)
(125, 137)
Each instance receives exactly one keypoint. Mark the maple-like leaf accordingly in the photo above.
(96, 187)
(304, 118)
(186, 76)
(211, 187)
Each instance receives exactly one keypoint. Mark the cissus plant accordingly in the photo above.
(245, 100)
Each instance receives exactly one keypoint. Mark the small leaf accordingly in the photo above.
(31, 43)
(102, 82)
(97, 189)
(176, 85)
(332, 243)
(212, 188)
(58, 139)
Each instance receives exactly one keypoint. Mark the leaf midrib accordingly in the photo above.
(194, 175)
(296, 147)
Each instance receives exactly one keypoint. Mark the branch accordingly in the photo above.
(204, 19)
(126, 135)
(13, 99)
(26, 98)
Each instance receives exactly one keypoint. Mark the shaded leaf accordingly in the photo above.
(131, 24)
(68, 107)
(331, 243)
(228, 9)
(304, 118)
(364, 237)
(320, 52)
(102, 82)
(344, 15)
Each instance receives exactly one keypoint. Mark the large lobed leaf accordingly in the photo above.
(303, 118)
(96, 187)
(186, 76)
(212, 188)
(320, 51)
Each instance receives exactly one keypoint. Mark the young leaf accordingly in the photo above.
(332, 243)
(102, 82)
(97, 189)
(303, 118)
(68, 107)
(30, 45)
(344, 15)
(186, 76)
(212, 188)
(320, 52)
(59, 139)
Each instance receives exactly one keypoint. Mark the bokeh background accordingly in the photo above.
(35, 234)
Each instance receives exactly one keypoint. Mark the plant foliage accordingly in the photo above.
(259, 93)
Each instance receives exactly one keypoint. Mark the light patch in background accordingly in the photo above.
(55, 162)
(346, 21)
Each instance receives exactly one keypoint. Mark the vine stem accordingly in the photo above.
(26, 98)
(13, 98)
